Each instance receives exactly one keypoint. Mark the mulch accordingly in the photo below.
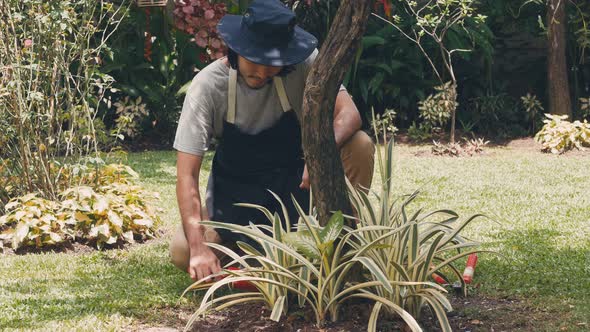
(472, 313)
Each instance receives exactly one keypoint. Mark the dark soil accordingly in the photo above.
(473, 313)
(78, 247)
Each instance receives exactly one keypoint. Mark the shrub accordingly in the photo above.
(419, 132)
(34, 221)
(130, 113)
(199, 19)
(435, 111)
(559, 135)
(498, 114)
(437, 108)
(115, 212)
(386, 122)
(112, 211)
(585, 107)
(532, 106)
(311, 264)
(470, 147)
(474, 146)
(450, 149)
(50, 88)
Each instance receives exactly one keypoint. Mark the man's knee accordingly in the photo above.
(358, 159)
(360, 146)
(179, 250)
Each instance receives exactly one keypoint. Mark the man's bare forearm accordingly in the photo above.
(189, 204)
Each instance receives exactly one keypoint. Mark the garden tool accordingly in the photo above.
(242, 285)
(470, 268)
(467, 273)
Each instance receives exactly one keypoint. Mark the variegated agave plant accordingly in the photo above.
(409, 249)
(310, 264)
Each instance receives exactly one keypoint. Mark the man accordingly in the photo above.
(247, 100)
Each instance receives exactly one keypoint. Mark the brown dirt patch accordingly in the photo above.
(527, 143)
(164, 319)
(474, 313)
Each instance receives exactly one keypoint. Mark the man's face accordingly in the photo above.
(255, 75)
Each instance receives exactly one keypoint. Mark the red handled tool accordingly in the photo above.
(439, 280)
(242, 285)
(470, 268)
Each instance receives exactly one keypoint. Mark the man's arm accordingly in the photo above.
(203, 261)
(347, 121)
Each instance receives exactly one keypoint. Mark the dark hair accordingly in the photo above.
(232, 57)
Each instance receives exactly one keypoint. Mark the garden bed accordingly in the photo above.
(473, 313)
(78, 247)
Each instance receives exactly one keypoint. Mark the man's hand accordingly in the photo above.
(304, 179)
(203, 264)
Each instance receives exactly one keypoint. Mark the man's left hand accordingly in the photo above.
(304, 179)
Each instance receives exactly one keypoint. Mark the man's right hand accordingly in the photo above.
(203, 264)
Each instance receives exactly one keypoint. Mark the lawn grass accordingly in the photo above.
(541, 205)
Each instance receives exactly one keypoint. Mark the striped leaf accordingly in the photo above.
(374, 316)
(375, 271)
(279, 307)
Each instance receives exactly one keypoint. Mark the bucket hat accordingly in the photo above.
(267, 34)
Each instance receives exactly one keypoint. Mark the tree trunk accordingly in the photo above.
(558, 84)
(321, 153)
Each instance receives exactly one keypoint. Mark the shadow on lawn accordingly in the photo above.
(134, 285)
(540, 263)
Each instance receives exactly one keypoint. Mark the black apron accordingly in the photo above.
(246, 167)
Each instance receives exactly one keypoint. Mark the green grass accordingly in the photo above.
(540, 207)
(541, 204)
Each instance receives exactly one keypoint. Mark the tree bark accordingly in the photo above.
(322, 156)
(557, 79)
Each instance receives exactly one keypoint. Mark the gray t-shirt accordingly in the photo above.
(205, 105)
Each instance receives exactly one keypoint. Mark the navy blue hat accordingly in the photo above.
(267, 34)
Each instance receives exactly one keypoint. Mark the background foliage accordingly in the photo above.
(50, 90)
(506, 60)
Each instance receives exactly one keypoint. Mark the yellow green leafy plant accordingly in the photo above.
(112, 210)
(559, 135)
(34, 221)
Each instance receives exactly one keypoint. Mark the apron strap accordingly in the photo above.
(280, 87)
(231, 96)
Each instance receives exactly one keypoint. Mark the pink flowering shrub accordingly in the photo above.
(199, 18)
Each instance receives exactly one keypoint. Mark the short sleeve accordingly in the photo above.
(195, 126)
